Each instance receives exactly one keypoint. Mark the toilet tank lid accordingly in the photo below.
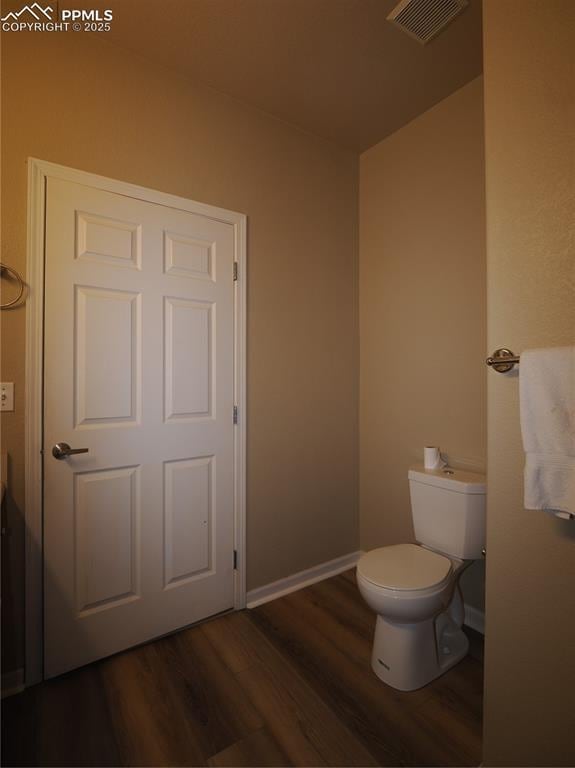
(449, 479)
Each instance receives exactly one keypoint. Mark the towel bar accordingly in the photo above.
(503, 360)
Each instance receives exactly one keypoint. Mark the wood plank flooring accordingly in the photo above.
(288, 683)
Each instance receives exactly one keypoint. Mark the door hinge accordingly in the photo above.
(235, 560)
(235, 414)
(235, 270)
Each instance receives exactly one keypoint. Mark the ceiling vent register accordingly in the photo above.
(425, 19)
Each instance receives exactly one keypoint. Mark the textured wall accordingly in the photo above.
(422, 310)
(78, 101)
(530, 159)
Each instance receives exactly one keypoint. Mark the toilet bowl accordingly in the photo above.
(410, 587)
(405, 582)
(414, 588)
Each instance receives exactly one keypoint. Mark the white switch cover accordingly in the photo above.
(7, 396)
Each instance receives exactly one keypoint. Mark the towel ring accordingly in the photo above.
(16, 276)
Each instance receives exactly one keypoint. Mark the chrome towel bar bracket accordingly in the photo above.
(503, 360)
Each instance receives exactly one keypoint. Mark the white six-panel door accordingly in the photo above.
(139, 370)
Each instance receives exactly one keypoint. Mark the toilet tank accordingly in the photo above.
(448, 510)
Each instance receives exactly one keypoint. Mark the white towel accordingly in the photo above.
(547, 405)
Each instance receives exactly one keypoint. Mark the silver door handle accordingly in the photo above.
(62, 450)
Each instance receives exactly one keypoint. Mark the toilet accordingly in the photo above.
(414, 588)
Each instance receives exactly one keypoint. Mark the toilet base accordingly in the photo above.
(408, 656)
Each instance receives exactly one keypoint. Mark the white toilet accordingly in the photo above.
(414, 588)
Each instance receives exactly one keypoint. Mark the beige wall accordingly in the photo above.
(78, 101)
(422, 310)
(530, 159)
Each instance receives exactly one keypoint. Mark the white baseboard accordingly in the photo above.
(302, 579)
(12, 682)
(475, 619)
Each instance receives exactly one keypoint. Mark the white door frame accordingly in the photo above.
(38, 173)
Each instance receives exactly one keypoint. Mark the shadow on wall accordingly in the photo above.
(13, 535)
(565, 529)
(472, 585)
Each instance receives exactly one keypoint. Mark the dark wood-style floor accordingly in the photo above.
(288, 683)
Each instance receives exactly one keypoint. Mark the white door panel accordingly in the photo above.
(139, 334)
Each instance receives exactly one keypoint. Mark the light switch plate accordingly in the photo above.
(7, 396)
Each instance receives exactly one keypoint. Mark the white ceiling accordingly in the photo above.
(335, 68)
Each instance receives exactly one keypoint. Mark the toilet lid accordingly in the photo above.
(404, 566)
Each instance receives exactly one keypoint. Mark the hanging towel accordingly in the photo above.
(547, 405)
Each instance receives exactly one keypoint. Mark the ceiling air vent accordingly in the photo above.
(425, 19)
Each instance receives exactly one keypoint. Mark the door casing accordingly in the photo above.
(38, 173)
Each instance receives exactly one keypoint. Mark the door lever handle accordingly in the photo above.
(63, 450)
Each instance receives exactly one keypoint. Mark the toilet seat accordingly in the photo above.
(405, 568)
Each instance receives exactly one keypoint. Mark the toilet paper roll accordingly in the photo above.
(432, 457)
